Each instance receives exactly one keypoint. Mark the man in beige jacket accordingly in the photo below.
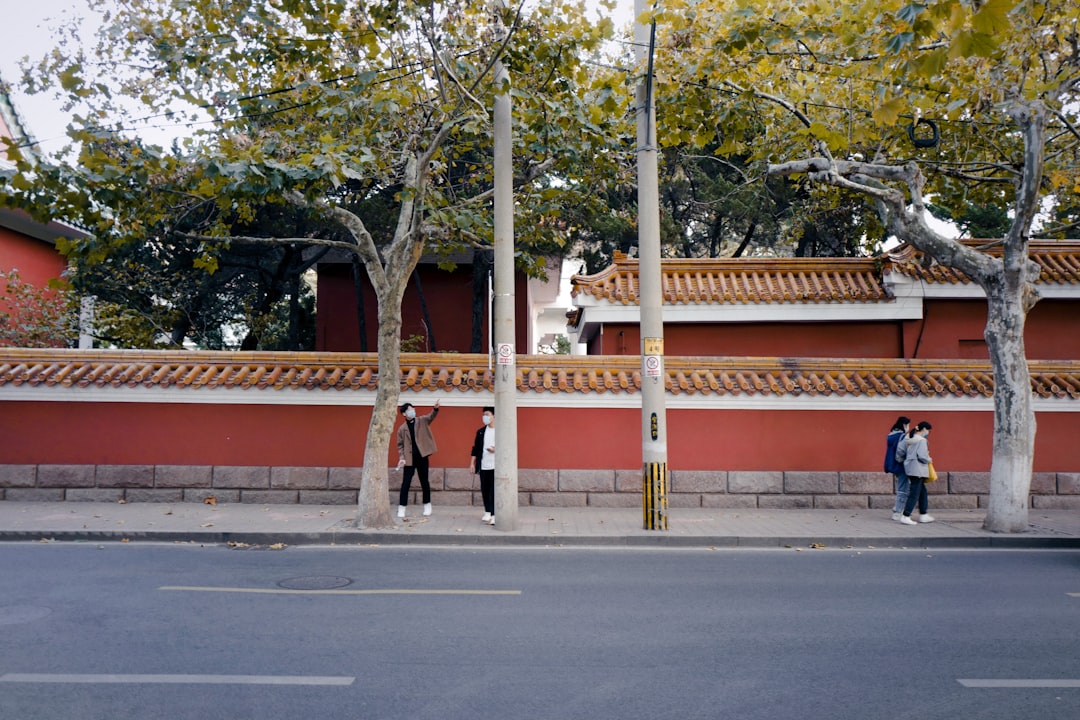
(415, 444)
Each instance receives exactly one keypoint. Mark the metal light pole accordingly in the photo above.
(506, 459)
(650, 293)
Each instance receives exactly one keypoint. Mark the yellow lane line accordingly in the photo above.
(384, 591)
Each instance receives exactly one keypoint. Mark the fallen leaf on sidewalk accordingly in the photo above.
(210, 500)
(278, 546)
(207, 525)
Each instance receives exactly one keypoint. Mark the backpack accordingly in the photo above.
(893, 463)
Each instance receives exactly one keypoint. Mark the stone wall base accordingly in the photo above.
(541, 488)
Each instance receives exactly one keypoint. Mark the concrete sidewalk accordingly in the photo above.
(291, 525)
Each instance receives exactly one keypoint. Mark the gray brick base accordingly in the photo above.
(621, 488)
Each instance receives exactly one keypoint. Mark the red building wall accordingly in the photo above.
(782, 339)
(37, 261)
(948, 329)
(449, 297)
(549, 437)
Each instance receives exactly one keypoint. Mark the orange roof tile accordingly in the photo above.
(742, 280)
(802, 280)
(1058, 259)
(453, 372)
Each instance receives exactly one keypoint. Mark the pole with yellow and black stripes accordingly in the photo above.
(654, 496)
(650, 287)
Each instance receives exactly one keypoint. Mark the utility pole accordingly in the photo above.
(506, 458)
(650, 293)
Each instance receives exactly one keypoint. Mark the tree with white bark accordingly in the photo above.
(325, 105)
(965, 102)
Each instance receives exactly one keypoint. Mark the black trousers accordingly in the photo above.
(917, 493)
(487, 490)
(420, 467)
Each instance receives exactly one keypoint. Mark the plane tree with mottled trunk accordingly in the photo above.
(962, 102)
(322, 105)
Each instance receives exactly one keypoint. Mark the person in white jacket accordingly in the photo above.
(917, 467)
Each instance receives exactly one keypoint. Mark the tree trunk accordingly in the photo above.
(274, 292)
(481, 302)
(429, 329)
(1014, 416)
(747, 237)
(293, 342)
(361, 317)
(374, 499)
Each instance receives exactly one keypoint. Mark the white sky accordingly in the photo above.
(27, 31)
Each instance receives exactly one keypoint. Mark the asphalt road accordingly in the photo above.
(145, 632)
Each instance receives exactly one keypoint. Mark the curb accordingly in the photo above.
(390, 539)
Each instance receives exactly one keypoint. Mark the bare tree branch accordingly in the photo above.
(256, 240)
(531, 173)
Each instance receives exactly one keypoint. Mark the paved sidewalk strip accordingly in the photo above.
(279, 526)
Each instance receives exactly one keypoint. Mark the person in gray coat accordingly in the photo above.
(917, 467)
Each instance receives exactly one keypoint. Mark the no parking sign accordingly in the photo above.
(653, 355)
(505, 354)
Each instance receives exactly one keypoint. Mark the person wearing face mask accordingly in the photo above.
(415, 444)
(483, 462)
(917, 466)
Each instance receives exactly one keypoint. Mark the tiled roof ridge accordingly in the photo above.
(535, 373)
(742, 280)
(806, 280)
(1058, 259)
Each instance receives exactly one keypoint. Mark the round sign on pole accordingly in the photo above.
(652, 366)
(505, 354)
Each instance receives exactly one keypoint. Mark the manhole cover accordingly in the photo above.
(315, 582)
(13, 615)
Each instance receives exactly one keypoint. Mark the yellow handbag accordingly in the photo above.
(933, 474)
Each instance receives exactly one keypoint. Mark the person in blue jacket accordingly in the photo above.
(895, 466)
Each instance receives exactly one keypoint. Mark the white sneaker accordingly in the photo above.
(926, 518)
(401, 511)
(492, 520)
(427, 509)
(906, 520)
(486, 518)
(897, 515)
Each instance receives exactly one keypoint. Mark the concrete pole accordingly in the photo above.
(650, 293)
(506, 459)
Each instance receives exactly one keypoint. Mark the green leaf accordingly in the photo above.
(69, 78)
(993, 17)
(899, 41)
(888, 113)
(909, 13)
(932, 63)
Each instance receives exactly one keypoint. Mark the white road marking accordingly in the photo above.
(177, 679)
(1033, 683)
(385, 591)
